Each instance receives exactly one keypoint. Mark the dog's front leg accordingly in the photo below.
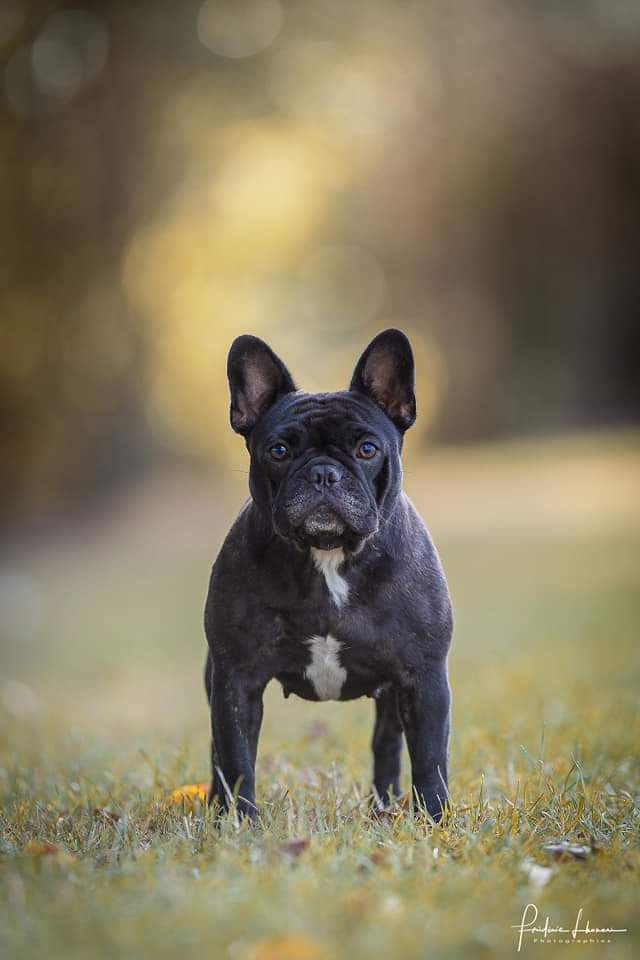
(387, 747)
(236, 716)
(425, 710)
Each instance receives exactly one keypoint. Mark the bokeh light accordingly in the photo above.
(239, 28)
(69, 52)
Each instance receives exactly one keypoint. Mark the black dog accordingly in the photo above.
(328, 580)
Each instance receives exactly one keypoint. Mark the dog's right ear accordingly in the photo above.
(257, 378)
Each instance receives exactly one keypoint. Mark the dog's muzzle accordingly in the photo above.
(322, 507)
(323, 520)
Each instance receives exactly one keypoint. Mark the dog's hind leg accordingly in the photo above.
(387, 746)
(425, 709)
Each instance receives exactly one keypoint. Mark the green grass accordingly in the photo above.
(546, 727)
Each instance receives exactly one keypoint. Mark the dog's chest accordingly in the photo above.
(325, 666)
(325, 671)
(320, 657)
(329, 563)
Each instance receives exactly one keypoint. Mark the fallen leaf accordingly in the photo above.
(566, 850)
(292, 947)
(49, 851)
(393, 812)
(38, 848)
(379, 857)
(189, 793)
(109, 815)
(293, 848)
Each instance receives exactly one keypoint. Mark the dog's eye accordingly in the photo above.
(367, 450)
(279, 451)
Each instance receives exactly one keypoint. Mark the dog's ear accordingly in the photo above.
(385, 373)
(257, 378)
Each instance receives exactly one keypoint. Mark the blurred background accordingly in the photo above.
(173, 175)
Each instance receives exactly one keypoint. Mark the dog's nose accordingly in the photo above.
(323, 475)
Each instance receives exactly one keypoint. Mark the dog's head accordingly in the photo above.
(325, 467)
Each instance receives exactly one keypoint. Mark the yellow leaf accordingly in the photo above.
(293, 947)
(189, 793)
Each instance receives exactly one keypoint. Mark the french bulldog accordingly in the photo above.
(328, 580)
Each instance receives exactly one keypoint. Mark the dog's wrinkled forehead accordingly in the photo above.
(327, 417)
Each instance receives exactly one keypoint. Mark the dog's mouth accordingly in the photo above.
(325, 525)
(323, 528)
(323, 520)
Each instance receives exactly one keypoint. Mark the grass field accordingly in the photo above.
(103, 714)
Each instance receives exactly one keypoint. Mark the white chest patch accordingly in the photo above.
(328, 563)
(325, 672)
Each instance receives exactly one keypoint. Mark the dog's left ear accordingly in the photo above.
(385, 373)
(257, 378)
